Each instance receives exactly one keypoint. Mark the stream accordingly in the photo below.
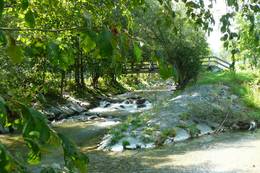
(223, 153)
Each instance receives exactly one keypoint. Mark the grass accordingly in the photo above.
(245, 84)
(171, 132)
(131, 123)
(185, 116)
(193, 130)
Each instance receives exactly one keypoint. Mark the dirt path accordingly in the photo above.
(225, 153)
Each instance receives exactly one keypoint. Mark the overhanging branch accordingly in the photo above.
(42, 29)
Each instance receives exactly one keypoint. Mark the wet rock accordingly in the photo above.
(140, 101)
(132, 143)
(141, 106)
(240, 125)
(117, 148)
(243, 125)
(61, 116)
(75, 107)
(105, 142)
(169, 141)
(127, 102)
(56, 111)
(107, 105)
(50, 115)
(93, 117)
(122, 106)
(66, 110)
(104, 103)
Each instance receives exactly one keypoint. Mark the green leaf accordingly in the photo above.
(34, 155)
(35, 123)
(3, 40)
(15, 53)
(8, 163)
(224, 38)
(223, 29)
(87, 44)
(226, 44)
(165, 70)
(192, 4)
(25, 4)
(137, 53)
(1, 7)
(73, 158)
(3, 112)
(29, 18)
(105, 43)
(231, 2)
(233, 35)
(53, 52)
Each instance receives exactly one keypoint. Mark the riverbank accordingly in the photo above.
(171, 118)
(197, 111)
(212, 105)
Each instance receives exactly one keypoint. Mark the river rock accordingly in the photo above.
(117, 148)
(168, 141)
(122, 106)
(107, 105)
(181, 135)
(199, 103)
(75, 107)
(140, 101)
(141, 106)
(66, 110)
(56, 111)
(105, 142)
(204, 129)
(240, 125)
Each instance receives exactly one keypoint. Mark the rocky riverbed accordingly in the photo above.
(152, 118)
(199, 110)
(159, 119)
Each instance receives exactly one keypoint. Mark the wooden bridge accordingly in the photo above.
(216, 62)
(144, 67)
(151, 67)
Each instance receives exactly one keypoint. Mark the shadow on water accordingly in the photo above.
(83, 134)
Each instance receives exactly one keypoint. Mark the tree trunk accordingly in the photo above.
(232, 66)
(82, 82)
(95, 78)
(77, 64)
(62, 82)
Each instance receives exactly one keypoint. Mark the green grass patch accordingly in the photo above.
(171, 132)
(245, 84)
(193, 130)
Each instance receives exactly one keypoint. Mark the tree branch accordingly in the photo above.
(42, 29)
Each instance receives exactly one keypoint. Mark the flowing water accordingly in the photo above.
(224, 153)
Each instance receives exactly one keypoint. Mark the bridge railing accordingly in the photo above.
(215, 61)
(144, 67)
(150, 67)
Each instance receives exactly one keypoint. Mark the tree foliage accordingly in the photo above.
(43, 42)
(248, 45)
